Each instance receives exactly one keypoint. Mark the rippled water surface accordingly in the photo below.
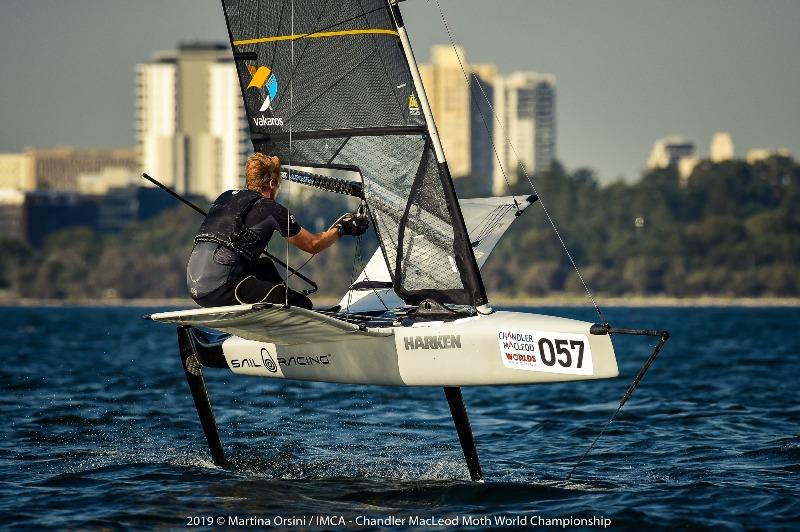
(99, 430)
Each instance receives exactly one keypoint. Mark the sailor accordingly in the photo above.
(225, 267)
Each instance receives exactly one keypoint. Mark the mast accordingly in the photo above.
(471, 265)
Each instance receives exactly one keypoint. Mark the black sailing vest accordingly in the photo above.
(225, 224)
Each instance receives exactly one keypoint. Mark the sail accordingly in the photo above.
(487, 220)
(328, 84)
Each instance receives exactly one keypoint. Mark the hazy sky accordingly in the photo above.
(628, 71)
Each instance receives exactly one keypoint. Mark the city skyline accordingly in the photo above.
(628, 73)
(473, 138)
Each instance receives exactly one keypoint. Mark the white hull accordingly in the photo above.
(464, 352)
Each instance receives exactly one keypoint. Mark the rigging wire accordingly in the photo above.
(358, 260)
(356, 255)
(483, 119)
(297, 270)
(291, 112)
(664, 335)
(291, 108)
(485, 225)
(374, 290)
(366, 277)
(522, 164)
(605, 329)
(291, 104)
(486, 126)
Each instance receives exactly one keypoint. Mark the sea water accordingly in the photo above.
(99, 430)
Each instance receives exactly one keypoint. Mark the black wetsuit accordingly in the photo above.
(217, 276)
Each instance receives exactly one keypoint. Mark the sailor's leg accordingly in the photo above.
(459, 413)
(265, 269)
(194, 376)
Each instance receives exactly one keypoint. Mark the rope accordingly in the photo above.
(522, 165)
(240, 283)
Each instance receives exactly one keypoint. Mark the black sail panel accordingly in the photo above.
(319, 65)
(326, 83)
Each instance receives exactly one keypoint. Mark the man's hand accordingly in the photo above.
(351, 224)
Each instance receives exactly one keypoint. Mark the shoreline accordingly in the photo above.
(569, 300)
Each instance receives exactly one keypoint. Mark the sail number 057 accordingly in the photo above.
(561, 352)
(547, 351)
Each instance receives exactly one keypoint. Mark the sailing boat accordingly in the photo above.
(336, 87)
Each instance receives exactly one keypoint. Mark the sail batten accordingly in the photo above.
(355, 104)
(333, 133)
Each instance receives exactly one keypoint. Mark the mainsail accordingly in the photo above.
(330, 84)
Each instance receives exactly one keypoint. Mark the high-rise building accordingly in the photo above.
(467, 115)
(156, 120)
(668, 152)
(16, 171)
(449, 97)
(482, 127)
(191, 126)
(12, 214)
(721, 147)
(59, 168)
(762, 154)
(674, 152)
(544, 94)
(526, 107)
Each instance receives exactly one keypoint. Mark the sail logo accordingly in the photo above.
(267, 121)
(305, 360)
(264, 79)
(269, 363)
(413, 105)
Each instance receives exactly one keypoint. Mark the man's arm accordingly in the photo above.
(314, 242)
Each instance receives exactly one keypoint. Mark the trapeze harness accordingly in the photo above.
(224, 268)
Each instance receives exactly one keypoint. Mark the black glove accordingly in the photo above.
(352, 224)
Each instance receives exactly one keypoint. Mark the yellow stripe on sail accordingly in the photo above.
(317, 35)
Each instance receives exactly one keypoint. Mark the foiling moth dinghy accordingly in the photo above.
(363, 342)
(430, 345)
(418, 314)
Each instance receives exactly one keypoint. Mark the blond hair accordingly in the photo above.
(260, 170)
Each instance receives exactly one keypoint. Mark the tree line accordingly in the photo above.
(731, 229)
